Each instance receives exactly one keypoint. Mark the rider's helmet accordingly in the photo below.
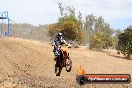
(60, 35)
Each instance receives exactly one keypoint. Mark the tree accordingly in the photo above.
(100, 41)
(80, 19)
(69, 11)
(125, 42)
(98, 33)
(102, 26)
(68, 24)
(89, 27)
(89, 22)
(53, 29)
(61, 9)
(71, 28)
(115, 36)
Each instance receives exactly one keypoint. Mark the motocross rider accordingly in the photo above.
(58, 41)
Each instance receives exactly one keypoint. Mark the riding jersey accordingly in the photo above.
(57, 43)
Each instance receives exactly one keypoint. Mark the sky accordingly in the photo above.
(118, 13)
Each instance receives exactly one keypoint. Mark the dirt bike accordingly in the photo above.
(63, 60)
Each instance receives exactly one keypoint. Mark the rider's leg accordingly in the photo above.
(55, 54)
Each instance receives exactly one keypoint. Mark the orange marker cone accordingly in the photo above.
(81, 70)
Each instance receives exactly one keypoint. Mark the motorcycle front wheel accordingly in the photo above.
(68, 65)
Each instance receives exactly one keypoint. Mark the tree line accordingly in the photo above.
(93, 31)
(28, 31)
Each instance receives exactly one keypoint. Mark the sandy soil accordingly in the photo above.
(30, 64)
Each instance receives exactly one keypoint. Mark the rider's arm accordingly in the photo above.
(63, 41)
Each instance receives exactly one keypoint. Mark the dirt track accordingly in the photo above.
(29, 64)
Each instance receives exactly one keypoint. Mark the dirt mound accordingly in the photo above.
(30, 64)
